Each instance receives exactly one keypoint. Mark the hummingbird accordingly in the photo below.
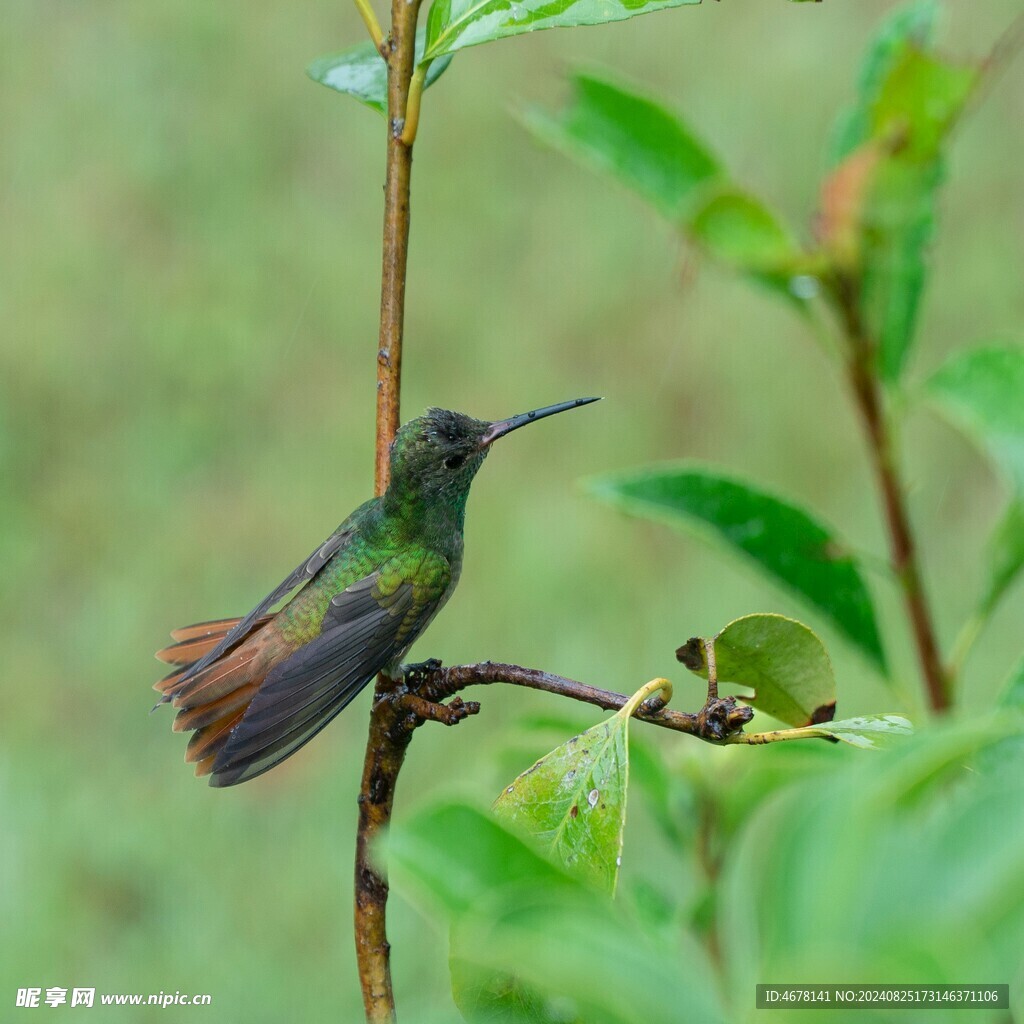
(255, 690)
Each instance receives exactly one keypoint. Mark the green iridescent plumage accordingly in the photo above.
(257, 689)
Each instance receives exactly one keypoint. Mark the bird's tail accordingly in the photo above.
(213, 701)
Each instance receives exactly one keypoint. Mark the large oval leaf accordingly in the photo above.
(782, 660)
(780, 538)
(455, 24)
(360, 72)
(632, 138)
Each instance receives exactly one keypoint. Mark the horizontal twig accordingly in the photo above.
(718, 719)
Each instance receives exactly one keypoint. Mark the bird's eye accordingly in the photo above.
(454, 461)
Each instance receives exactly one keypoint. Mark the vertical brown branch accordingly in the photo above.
(399, 50)
(867, 393)
(388, 736)
(385, 751)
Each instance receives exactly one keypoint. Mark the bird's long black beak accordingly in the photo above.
(502, 427)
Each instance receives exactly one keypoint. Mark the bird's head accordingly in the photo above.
(435, 456)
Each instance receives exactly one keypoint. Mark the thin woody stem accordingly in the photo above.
(719, 717)
(709, 651)
(399, 51)
(867, 393)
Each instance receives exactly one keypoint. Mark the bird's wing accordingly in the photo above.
(366, 627)
(301, 575)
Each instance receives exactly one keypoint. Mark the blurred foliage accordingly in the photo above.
(887, 868)
(190, 294)
(983, 389)
(512, 908)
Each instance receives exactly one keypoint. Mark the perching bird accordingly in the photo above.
(255, 690)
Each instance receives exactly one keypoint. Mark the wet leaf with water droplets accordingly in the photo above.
(572, 802)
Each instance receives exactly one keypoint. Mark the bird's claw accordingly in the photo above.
(416, 674)
(418, 710)
(458, 709)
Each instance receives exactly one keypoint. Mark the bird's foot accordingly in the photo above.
(430, 711)
(721, 717)
(417, 673)
(457, 709)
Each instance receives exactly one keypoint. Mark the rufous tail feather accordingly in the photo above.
(213, 701)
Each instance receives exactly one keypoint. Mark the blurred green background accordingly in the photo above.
(189, 293)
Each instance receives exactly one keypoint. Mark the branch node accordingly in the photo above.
(721, 717)
(653, 705)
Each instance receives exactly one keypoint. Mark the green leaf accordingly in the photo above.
(1013, 692)
(919, 102)
(653, 152)
(982, 391)
(868, 732)
(1005, 555)
(782, 660)
(909, 99)
(780, 538)
(740, 230)
(572, 802)
(897, 222)
(457, 876)
(907, 866)
(912, 25)
(632, 138)
(590, 961)
(361, 72)
(486, 996)
(455, 24)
